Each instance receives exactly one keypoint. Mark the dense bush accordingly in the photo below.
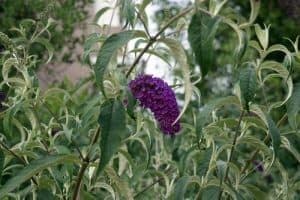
(238, 119)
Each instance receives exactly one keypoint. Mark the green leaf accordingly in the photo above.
(242, 40)
(7, 65)
(262, 35)
(241, 48)
(275, 136)
(109, 47)
(182, 184)
(293, 106)
(127, 11)
(34, 168)
(45, 194)
(156, 53)
(144, 4)
(283, 73)
(210, 193)
(204, 115)
(179, 54)
(216, 5)
(86, 195)
(2, 159)
(113, 130)
(256, 192)
(204, 158)
(100, 13)
(255, 5)
(46, 43)
(289, 146)
(121, 184)
(248, 84)
(88, 43)
(201, 34)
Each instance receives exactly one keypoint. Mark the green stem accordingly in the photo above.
(85, 163)
(265, 140)
(155, 37)
(230, 154)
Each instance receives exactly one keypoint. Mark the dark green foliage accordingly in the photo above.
(32, 169)
(109, 47)
(201, 34)
(293, 106)
(113, 130)
(248, 85)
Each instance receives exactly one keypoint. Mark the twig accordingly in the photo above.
(154, 38)
(143, 22)
(85, 163)
(18, 157)
(265, 140)
(230, 154)
(148, 187)
(78, 182)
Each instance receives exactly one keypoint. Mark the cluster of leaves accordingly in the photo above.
(73, 142)
(68, 15)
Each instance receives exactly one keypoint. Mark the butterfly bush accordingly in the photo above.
(156, 94)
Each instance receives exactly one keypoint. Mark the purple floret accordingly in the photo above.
(155, 94)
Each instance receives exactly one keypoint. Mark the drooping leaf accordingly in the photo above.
(241, 48)
(273, 131)
(127, 11)
(242, 41)
(262, 35)
(216, 5)
(182, 184)
(248, 84)
(34, 168)
(293, 106)
(113, 130)
(274, 134)
(46, 43)
(290, 147)
(255, 5)
(7, 65)
(89, 41)
(109, 47)
(99, 13)
(180, 55)
(282, 72)
(201, 34)
(205, 113)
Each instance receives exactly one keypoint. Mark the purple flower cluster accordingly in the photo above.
(155, 94)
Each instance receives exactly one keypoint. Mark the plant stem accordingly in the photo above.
(154, 38)
(230, 154)
(84, 165)
(18, 157)
(266, 139)
(143, 22)
(148, 187)
(78, 182)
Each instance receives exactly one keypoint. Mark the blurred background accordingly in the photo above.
(75, 21)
